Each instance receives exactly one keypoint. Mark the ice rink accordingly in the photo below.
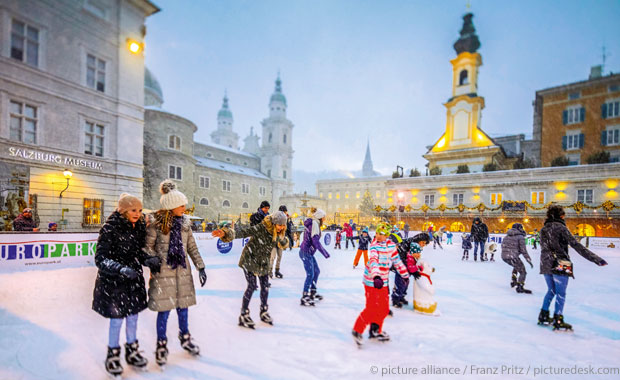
(48, 330)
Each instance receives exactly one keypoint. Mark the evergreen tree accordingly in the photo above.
(367, 207)
(461, 169)
(414, 173)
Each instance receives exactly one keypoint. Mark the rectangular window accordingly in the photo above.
(93, 212)
(245, 188)
(572, 140)
(24, 122)
(25, 43)
(612, 135)
(613, 108)
(574, 115)
(174, 142)
(95, 73)
(378, 194)
(93, 139)
(538, 197)
(225, 185)
(337, 195)
(496, 198)
(429, 200)
(346, 195)
(573, 95)
(329, 195)
(357, 194)
(584, 196)
(175, 172)
(320, 195)
(262, 190)
(284, 174)
(204, 182)
(457, 199)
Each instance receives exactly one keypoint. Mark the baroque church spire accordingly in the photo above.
(367, 168)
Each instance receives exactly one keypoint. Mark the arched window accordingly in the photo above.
(585, 230)
(226, 203)
(204, 202)
(270, 136)
(463, 78)
(284, 139)
(456, 227)
(245, 205)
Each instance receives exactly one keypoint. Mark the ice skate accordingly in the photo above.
(374, 334)
(521, 289)
(513, 280)
(306, 300)
(278, 274)
(357, 338)
(161, 354)
(315, 296)
(113, 363)
(133, 357)
(264, 315)
(245, 320)
(560, 325)
(544, 319)
(188, 344)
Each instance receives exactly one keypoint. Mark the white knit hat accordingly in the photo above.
(171, 197)
(319, 214)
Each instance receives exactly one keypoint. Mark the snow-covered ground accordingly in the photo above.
(48, 330)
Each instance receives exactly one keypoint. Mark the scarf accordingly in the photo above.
(176, 253)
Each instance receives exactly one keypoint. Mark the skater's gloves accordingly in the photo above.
(202, 275)
(416, 274)
(378, 282)
(154, 263)
(129, 273)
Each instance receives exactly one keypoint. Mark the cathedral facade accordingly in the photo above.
(221, 180)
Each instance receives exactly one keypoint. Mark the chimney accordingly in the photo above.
(596, 71)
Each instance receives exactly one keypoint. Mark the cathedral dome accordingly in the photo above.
(278, 96)
(153, 95)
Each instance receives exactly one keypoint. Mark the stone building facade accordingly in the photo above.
(578, 119)
(71, 97)
(221, 181)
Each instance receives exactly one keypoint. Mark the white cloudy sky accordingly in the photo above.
(358, 68)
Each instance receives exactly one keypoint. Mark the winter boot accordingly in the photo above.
(513, 281)
(357, 338)
(374, 333)
(306, 300)
(245, 320)
(521, 289)
(264, 315)
(133, 357)
(315, 296)
(475, 257)
(559, 324)
(188, 344)
(113, 362)
(544, 318)
(492, 256)
(404, 302)
(278, 273)
(161, 352)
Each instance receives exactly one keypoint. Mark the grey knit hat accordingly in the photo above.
(278, 217)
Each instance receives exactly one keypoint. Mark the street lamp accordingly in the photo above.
(67, 174)
(134, 46)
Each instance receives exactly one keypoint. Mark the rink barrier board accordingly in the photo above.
(43, 251)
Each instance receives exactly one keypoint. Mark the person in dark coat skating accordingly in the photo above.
(119, 292)
(513, 245)
(260, 214)
(480, 234)
(555, 264)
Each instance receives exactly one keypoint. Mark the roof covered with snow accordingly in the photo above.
(224, 166)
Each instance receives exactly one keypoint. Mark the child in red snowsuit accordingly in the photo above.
(338, 239)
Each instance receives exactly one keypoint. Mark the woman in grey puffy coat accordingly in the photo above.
(513, 245)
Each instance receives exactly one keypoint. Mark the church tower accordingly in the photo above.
(224, 134)
(251, 143)
(367, 168)
(276, 152)
(464, 142)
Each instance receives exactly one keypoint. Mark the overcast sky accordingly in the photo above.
(380, 69)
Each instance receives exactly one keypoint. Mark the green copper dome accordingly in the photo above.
(277, 95)
(225, 111)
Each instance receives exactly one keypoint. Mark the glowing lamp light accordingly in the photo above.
(134, 46)
(501, 220)
(67, 173)
(476, 190)
(443, 190)
(611, 184)
(400, 195)
(526, 220)
(560, 186)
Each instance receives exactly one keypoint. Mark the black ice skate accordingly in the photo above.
(559, 324)
(245, 320)
(315, 296)
(264, 315)
(113, 363)
(188, 344)
(161, 353)
(544, 318)
(357, 338)
(133, 357)
(521, 289)
(306, 300)
(374, 333)
(278, 274)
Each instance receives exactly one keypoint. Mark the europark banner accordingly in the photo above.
(40, 251)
